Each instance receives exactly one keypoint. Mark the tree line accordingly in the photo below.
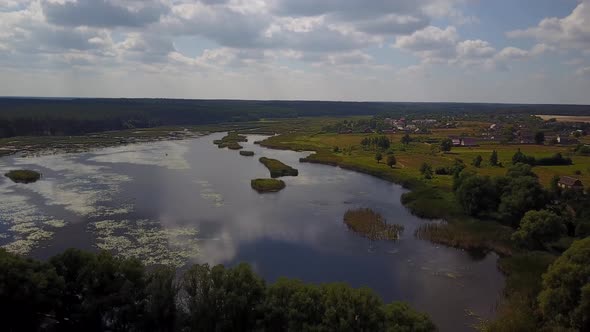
(81, 291)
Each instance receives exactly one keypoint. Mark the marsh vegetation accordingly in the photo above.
(267, 185)
(278, 169)
(23, 176)
(371, 225)
(231, 141)
(247, 153)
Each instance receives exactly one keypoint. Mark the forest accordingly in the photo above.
(75, 116)
(82, 291)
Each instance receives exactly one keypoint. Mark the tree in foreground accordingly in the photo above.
(537, 228)
(79, 291)
(391, 161)
(565, 298)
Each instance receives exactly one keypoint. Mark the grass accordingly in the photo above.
(247, 153)
(23, 176)
(278, 169)
(267, 185)
(371, 225)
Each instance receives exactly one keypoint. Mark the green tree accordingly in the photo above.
(29, 290)
(426, 171)
(401, 318)
(520, 157)
(348, 309)
(477, 195)
(540, 138)
(291, 305)
(477, 161)
(220, 299)
(101, 292)
(494, 159)
(378, 157)
(406, 139)
(391, 160)
(521, 195)
(554, 186)
(446, 145)
(538, 228)
(565, 297)
(160, 300)
(520, 170)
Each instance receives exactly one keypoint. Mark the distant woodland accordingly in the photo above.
(61, 116)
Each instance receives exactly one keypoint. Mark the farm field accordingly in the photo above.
(566, 118)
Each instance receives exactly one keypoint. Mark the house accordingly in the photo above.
(456, 140)
(568, 182)
(468, 141)
(368, 131)
(566, 140)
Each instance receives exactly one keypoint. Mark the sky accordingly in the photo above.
(511, 51)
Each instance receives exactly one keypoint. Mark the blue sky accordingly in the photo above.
(525, 51)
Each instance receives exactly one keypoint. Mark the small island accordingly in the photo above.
(247, 153)
(267, 185)
(278, 169)
(371, 225)
(231, 141)
(23, 176)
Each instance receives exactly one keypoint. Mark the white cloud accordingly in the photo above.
(572, 31)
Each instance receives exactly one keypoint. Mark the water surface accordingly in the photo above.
(188, 201)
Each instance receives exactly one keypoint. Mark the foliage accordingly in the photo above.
(565, 298)
(519, 196)
(267, 185)
(378, 157)
(371, 225)
(391, 160)
(376, 142)
(477, 161)
(583, 150)
(426, 171)
(539, 227)
(23, 176)
(520, 157)
(27, 287)
(231, 141)
(494, 159)
(278, 169)
(406, 139)
(78, 291)
(555, 160)
(446, 145)
(247, 153)
(540, 138)
(477, 195)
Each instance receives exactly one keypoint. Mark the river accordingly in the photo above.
(177, 202)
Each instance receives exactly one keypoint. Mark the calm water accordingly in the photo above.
(184, 201)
